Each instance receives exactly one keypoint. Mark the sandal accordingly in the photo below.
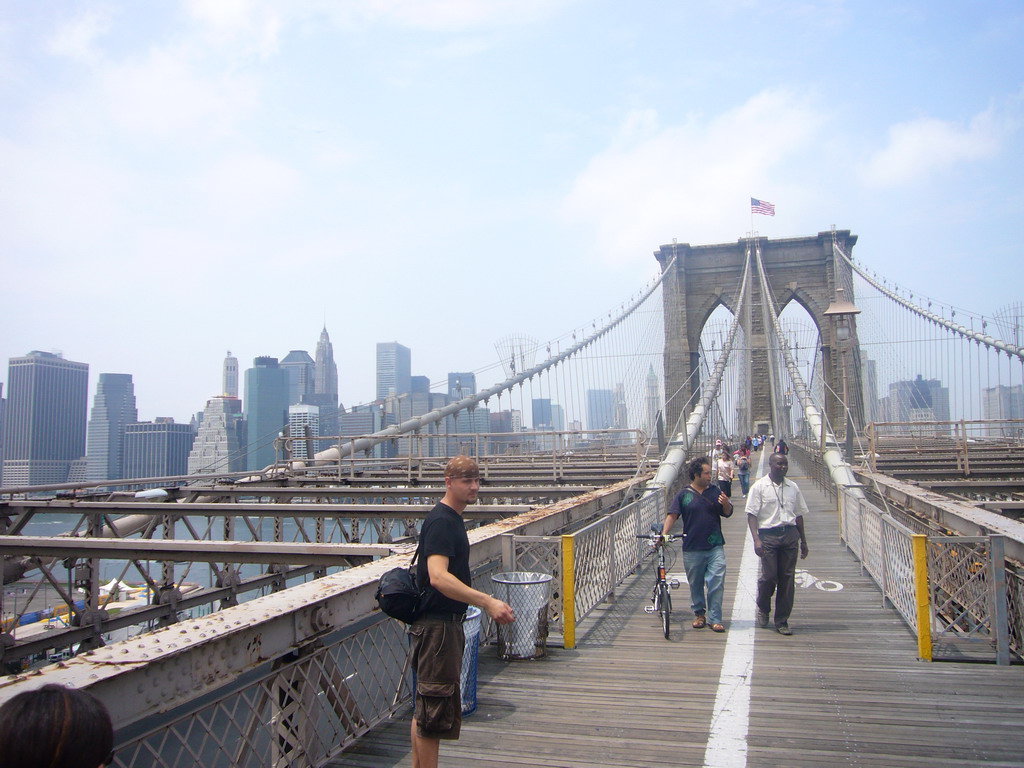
(718, 628)
(700, 622)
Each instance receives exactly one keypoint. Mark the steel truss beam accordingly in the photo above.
(966, 520)
(158, 671)
(186, 551)
(257, 509)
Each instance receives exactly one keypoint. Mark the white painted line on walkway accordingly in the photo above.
(727, 740)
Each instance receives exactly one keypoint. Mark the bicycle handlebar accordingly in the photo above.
(659, 536)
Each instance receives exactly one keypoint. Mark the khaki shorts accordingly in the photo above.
(437, 658)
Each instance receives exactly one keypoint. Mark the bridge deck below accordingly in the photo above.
(845, 690)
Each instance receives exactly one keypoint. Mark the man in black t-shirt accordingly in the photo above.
(437, 636)
(702, 506)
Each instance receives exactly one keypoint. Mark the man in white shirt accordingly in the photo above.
(775, 515)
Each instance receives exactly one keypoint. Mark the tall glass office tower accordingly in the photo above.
(112, 409)
(47, 401)
(394, 369)
(301, 374)
(157, 449)
(266, 409)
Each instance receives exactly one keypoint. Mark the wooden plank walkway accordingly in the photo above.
(845, 690)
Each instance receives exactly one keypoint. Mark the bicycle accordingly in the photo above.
(661, 600)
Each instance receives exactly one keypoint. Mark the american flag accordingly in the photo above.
(760, 206)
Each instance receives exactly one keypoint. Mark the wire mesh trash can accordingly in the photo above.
(470, 655)
(527, 593)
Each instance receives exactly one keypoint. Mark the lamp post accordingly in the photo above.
(844, 311)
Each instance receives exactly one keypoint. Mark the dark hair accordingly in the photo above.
(55, 726)
(695, 467)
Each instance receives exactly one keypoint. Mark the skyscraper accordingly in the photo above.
(325, 370)
(300, 368)
(230, 383)
(869, 382)
(3, 409)
(461, 385)
(303, 422)
(547, 415)
(266, 409)
(413, 404)
(219, 445)
(600, 409)
(157, 449)
(541, 413)
(45, 426)
(918, 400)
(364, 420)
(621, 420)
(113, 408)
(1003, 402)
(394, 369)
(325, 389)
(652, 402)
(463, 425)
(510, 422)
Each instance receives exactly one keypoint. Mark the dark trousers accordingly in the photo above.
(781, 548)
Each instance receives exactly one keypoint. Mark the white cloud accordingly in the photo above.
(456, 14)
(254, 26)
(261, 21)
(167, 94)
(918, 148)
(76, 38)
(465, 47)
(693, 178)
(245, 188)
(57, 203)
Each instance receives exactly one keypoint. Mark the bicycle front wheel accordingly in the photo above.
(665, 603)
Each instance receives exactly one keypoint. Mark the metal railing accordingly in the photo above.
(299, 709)
(954, 592)
(587, 565)
(287, 679)
(602, 555)
(884, 547)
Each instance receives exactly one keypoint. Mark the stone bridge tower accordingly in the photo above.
(801, 269)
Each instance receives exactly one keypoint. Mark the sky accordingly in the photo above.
(179, 179)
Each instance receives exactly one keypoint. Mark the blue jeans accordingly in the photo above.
(745, 482)
(706, 568)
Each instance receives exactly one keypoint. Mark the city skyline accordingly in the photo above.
(235, 434)
(184, 155)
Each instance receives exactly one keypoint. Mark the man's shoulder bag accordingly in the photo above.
(398, 595)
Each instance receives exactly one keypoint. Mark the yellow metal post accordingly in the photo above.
(924, 619)
(569, 591)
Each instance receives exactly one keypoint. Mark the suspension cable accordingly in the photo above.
(338, 452)
(967, 333)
